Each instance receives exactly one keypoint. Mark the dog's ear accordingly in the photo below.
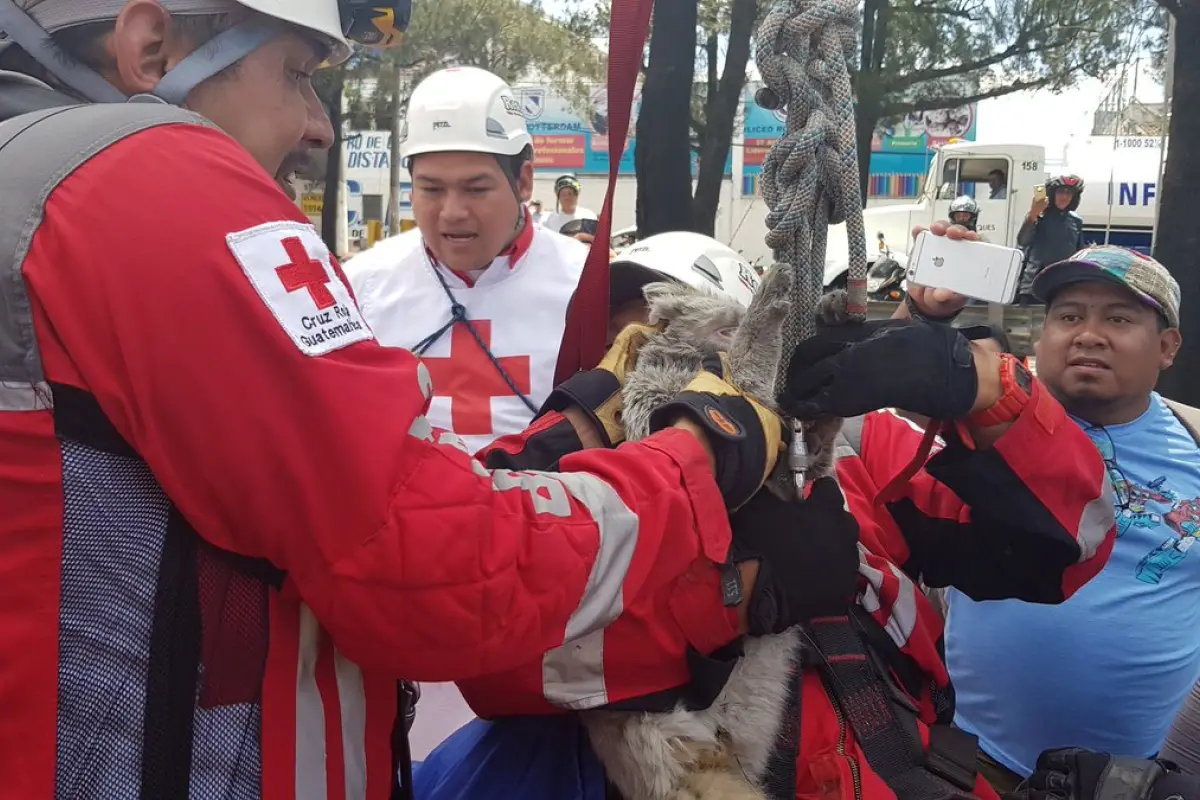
(668, 300)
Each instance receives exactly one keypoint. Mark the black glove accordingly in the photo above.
(807, 552)
(1075, 774)
(849, 370)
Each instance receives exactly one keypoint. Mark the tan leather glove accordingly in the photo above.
(746, 436)
(597, 392)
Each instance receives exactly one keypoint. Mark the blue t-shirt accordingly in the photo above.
(1108, 669)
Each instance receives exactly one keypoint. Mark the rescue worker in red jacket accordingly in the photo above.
(1015, 505)
(228, 527)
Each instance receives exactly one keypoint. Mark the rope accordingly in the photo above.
(804, 50)
(810, 180)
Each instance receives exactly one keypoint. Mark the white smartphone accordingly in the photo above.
(980, 270)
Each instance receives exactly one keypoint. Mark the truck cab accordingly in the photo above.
(961, 168)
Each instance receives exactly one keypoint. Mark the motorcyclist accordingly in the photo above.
(229, 526)
(1052, 231)
(567, 208)
(964, 211)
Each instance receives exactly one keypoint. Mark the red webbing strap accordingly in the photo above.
(583, 341)
(895, 488)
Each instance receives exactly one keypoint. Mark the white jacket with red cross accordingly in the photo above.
(517, 307)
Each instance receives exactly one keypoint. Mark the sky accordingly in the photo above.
(1049, 119)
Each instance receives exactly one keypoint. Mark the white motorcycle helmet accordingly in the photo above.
(29, 23)
(690, 258)
(464, 109)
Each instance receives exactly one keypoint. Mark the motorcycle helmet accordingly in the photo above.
(566, 182)
(683, 256)
(965, 211)
(1074, 183)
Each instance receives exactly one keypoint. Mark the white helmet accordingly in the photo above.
(690, 258)
(319, 16)
(464, 109)
(27, 23)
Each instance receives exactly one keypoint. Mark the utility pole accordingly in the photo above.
(403, 81)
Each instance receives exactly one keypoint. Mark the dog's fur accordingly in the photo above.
(720, 752)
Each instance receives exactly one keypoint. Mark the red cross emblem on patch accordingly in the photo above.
(470, 380)
(305, 272)
(293, 273)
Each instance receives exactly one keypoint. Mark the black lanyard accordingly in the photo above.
(458, 313)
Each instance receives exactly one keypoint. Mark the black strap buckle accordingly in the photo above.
(952, 755)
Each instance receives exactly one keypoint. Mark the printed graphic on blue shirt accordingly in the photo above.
(1109, 668)
(1156, 507)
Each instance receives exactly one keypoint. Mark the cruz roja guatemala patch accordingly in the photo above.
(290, 267)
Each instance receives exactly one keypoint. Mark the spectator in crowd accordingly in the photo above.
(535, 211)
(1052, 230)
(566, 195)
(998, 182)
(1108, 669)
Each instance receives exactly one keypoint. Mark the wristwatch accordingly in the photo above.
(1016, 383)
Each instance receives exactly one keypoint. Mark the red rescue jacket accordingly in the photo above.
(1029, 518)
(228, 529)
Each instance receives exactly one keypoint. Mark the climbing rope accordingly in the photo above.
(810, 177)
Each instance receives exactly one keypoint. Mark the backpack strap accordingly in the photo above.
(1188, 416)
(859, 681)
(38, 151)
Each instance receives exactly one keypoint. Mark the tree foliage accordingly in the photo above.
(511, 38)
(919, 55)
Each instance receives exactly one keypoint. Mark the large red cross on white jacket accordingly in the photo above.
(518, 307)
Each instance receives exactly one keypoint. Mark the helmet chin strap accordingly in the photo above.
(521, 222)
(220, 52)
(223, 50)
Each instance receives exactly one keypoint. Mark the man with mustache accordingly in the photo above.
(1108, 669)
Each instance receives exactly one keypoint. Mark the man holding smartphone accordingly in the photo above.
(1052, 230)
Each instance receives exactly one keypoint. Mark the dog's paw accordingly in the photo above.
(834, 308)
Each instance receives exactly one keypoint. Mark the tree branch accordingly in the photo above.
(1171, 6)
(1017, 48)
(948, 12)
(955, 101)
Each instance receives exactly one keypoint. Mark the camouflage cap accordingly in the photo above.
(1149, 280)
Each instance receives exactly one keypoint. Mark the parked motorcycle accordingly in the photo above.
(885, 278)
